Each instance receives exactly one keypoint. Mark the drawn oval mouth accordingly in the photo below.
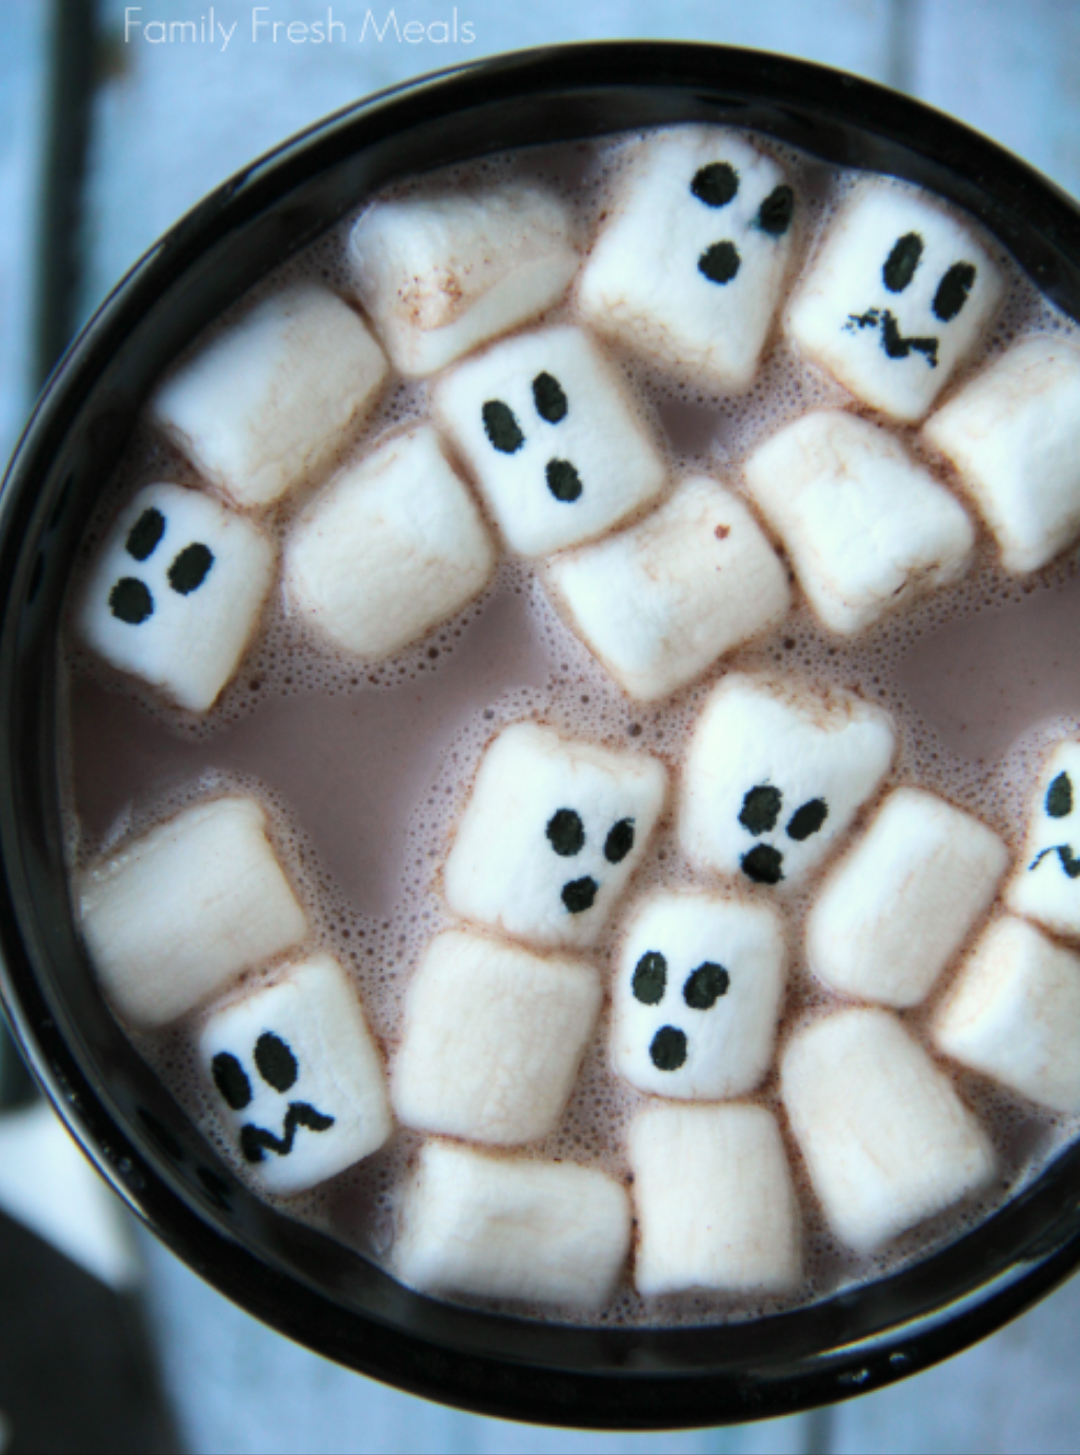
(255, 1141)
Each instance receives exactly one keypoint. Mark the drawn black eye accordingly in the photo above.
(275, 1062)
(901, 263)
(501, 427)
(620, 841)
(774, 214)
(130, 601)
(720, 262)
(549, 398)
(566, 832)
(807, 819)
(705, 986)
(650, 978)
(761, 808)
(716, 184)
(231, 1080)
(953, 291)
(190, 569)
(1059, 797)
(144, 535)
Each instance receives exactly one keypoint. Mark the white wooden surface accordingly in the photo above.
(170, 122)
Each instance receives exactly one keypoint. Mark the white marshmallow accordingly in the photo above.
(714, 1201)
(299, 1080)
(178, 913)
(1046, 884)
(898, 297)
(176, 591)
(270, 401)
(551, 834)
(775, 773)
(690, 268)
(554, 444)
(1014, 1014)
(1014, 435)
(441, 274)
(390, 548)
(661, 601)
(501, 1227)
(493, 1041)
(696, 996)
(899, 905)
(886, 1138)
(867, 529)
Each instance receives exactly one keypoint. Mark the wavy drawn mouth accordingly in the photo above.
(1064, 852)
(896, 344)
(255, 1141)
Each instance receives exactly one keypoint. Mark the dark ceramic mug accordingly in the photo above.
(297, 1280)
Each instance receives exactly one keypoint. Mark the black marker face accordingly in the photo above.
(1058, 804)
(760, 814)
(899, 268)
(716, 185)
(506, 435)
(701, 989)
(277, 1065)
(566, 834)
(130, 598)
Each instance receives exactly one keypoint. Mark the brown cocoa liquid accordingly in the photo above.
(366, 769)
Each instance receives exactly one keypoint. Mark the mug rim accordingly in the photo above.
(492, 1364)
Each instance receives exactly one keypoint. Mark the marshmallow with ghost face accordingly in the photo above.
(269, 401)
(1046, 884)
(714, 1201)
(551, 833)
(660, 601)
(298, 1079)
(898, 297)
(175, 915)
(866, 528)
(176, 592)
(1014, 1014)
(886, 1139)
(899, 905)
(390, 548)
(775, 774)
(553, 442)
(691, 266)
(441, 273)
(493, 1039)
(1013, 434)
(697, 995)
(514, 1228)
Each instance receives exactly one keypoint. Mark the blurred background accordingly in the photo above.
(109, 131)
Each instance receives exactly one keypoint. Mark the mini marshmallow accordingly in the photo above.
(1046, 884)
(714, 1201)
(176, 592)
(270, 401)
(439, 275)
(866, 528)
(661, 601)
(1014, 1014)
(551, 833)
(1013, 433)
(899, 905)
(691, 266)
(178, 913)
(899, 296)
(554, 444)
(696, 996)
(493, 1040)
(298, 1078)
(500, 1227)
(390, 548)
(886, 1138)
(775, 774)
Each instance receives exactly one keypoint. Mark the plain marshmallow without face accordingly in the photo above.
(661, 601)
(1013, 434)
(886, 1139)
(441, 274)
(697, 995)
(298, 1079)
(691, 267)
(1014, 1015)
(714, 1201)
(269, 401)
(775, 773)
(494, 1038)
(899, 905)
(553, 442)
(181, 911)
(898, 297)
(499, 1227)
(866, 528)
(393, 546)
(1046, 884)
(552, 831)
(176, 593)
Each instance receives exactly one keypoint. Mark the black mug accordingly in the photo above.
(296, 1279)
